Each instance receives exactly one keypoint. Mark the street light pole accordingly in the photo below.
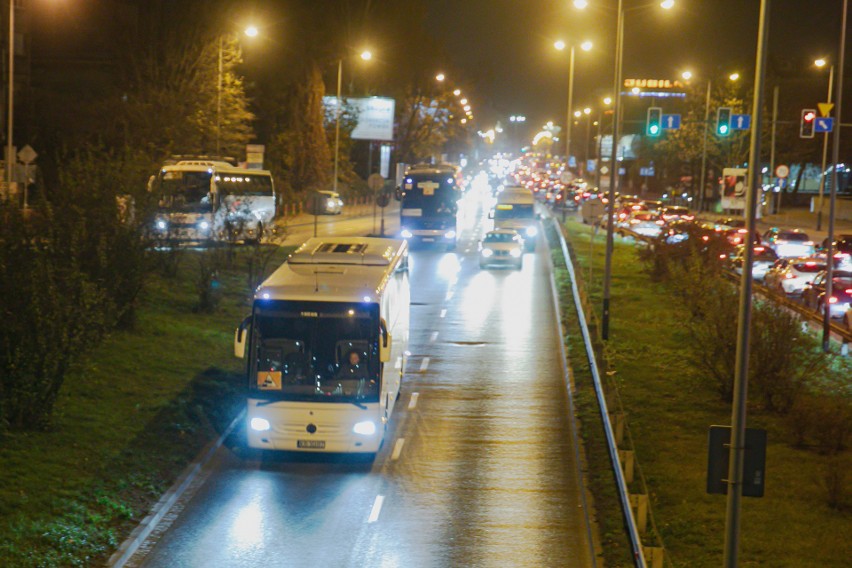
(613, 179)
(219, 102)
(10, 148)
(569, 116)
(703, 179)
(337, 122)
(775, 93)
(824, 154)
(835, 158)
(740, 391)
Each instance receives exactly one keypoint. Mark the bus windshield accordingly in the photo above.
(253, 185)
(514, 211)
(185, 191)
(315, 352)
(433, 194)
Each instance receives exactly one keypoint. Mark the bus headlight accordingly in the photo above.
(515, 252)
(204, 225)
(531, 231)
(487, 253)
(161, 225)
(330, 203)
(366, 428)
(260, 424)
(450, 235)
(406, 234)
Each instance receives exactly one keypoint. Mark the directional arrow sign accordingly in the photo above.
(740, 122)
(825, 108)
(671, 121)
(823, 124)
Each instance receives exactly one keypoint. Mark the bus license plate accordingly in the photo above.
(312, 444)
(428, 239)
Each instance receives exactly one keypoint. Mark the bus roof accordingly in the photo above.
(431, 169)
(205, 165)
(335, 269)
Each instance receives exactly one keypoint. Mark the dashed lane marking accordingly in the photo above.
(424, 364)
(397, 449)
(413, 402)
(377, 508)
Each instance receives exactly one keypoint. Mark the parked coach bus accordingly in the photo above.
(326, 346)
(203, 200)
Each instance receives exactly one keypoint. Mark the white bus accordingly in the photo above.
(326, 346)
(201, 200)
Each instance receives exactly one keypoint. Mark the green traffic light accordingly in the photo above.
(723, 129)
(654, 129)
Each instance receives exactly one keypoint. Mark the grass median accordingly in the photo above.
(127, 422)
(669, 410)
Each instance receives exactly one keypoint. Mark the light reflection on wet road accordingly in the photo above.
(478, 467)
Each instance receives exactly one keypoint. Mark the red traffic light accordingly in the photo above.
(809, 116)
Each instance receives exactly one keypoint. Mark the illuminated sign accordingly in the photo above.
(504, 207)
(652, 84)
(374, 116)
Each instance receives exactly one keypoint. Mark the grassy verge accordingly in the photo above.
(128, 420)
(669, 411)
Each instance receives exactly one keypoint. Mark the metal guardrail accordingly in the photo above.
(612, 448)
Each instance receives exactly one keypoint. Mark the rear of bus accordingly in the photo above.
(515, 210)
(248, 202)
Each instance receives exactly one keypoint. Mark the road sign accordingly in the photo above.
(27, 154)
(782, 171)
(671, 121)
(740, 122)
(824, 125)
(646, 172)
(375, 182)
(825, 108)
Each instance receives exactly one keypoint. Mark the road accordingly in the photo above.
(478, 467)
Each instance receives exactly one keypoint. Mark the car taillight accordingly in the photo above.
(705, 238)
(849, 291)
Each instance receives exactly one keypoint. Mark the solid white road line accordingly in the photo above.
(424, 364)
(377, 508)
(433, 337)
(397, 449)
(443, 313)
(413, 402)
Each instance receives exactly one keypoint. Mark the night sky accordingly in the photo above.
(503, 49)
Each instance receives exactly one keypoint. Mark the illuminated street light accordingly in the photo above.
(667, 4)
(581, 4)
(587, 111)
(559, 44)
(463, 101)
(635, 90)
(464, 121)
(578, 114)
(457, 92)
(734, 76)
(687, 75)
(820, 62)
(586, 46)
(250, 31)
(440, 77)
(466, 107)
(607, 100)
(366, 55)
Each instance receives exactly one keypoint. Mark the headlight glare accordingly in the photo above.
(406, 234)
(450, 235)
(531, 231)
(515, 252)
(487, 253)
(204, 225)
(366, 428)
(260, 424)
(161, 225)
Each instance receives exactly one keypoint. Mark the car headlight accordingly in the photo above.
(406, 234)
(531, 231)
(487, 253)
(366, 428)
(260, 424)
(340, 202)
(161, 225)
(515, 252)
(204, 225)
(450, 235)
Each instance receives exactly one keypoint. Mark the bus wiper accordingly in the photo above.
(266, 402)
(358, 404)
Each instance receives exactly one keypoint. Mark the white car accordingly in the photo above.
(501, 247)
(789, 275)
(789, 242)
(643, 224)
(325, 203)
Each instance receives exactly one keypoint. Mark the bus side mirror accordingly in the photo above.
(491, 214)
(240, 338)
(385, 342)
(397, 193)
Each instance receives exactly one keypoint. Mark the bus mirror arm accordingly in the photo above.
(491, 214)
(240, 336)
(385, 342)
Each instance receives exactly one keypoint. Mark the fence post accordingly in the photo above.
(617, 421)
(654, 556)
(627, 461)
(639, 502)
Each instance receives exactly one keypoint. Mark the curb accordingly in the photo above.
(144, 529)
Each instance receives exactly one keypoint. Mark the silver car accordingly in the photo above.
(501, 247)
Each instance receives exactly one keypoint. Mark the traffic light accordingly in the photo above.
(654, 126)
(806, 127)
(723, 121)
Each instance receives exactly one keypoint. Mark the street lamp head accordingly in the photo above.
(463, 101)
(667, 4)
(587, 111)
(457, 92)
(586, 45)
(251, 31)
(635, 90)
(578, 114)
(464, 121)
(440, 77)
(687, 75)
(734, 76)
(559, 44)
(607, 100)
(581, 4)
(466, 108)
(366, 55)
(820, 62)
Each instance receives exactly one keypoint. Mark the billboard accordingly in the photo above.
(375, 116)
(734, 188)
